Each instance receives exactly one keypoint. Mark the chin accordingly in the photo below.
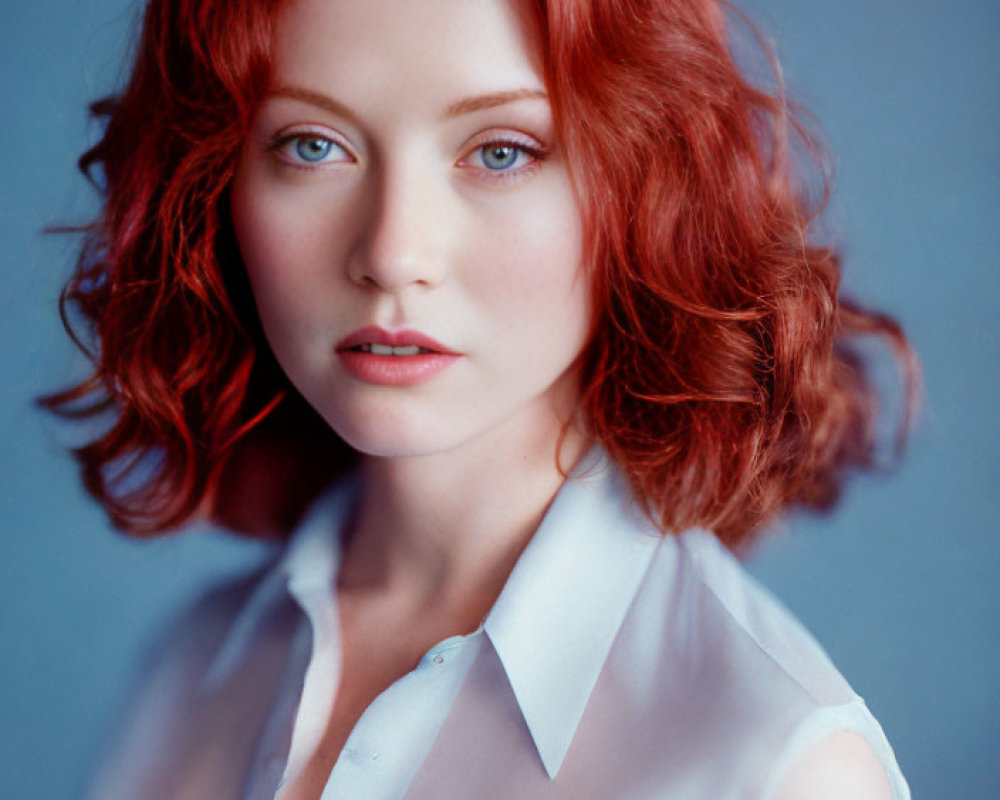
(394, 437)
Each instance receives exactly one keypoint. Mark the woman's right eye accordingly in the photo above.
(308, 149)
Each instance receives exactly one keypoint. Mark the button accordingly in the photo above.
(438, 659)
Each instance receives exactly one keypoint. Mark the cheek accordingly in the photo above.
(529, 263)
(288, 245)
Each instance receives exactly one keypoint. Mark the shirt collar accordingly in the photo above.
(560, 610)
(553, 623)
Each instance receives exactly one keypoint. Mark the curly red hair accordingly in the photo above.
(719, 374)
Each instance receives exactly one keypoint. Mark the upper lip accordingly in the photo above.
(372, 334)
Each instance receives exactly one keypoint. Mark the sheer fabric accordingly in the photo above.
(615, 664)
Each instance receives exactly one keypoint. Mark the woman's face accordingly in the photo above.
(408, 225)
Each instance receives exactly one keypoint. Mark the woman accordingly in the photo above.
(534, 281)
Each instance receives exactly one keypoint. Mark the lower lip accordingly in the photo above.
(395, 370)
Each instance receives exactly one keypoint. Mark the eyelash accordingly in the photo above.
(531, 149)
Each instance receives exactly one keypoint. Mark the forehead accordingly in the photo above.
(357, 49)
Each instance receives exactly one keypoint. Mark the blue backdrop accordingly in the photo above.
(901, 584)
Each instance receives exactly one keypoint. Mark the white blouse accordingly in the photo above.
(615, 664)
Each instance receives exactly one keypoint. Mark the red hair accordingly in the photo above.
(718, 376)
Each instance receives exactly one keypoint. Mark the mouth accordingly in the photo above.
(393, 358)
(376, 341)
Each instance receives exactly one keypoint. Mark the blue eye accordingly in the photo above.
(310, 149)
(505, 158)
(313, 149)
(500, 155)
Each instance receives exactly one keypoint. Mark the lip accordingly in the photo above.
(372, 334)
(393, 370)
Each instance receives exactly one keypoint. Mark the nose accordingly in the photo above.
(399, 243)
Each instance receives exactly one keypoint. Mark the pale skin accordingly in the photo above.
(370, 193)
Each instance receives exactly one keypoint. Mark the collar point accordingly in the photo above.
(552, 762)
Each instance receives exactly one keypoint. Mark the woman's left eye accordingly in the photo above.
(503, 157)
(310, 150)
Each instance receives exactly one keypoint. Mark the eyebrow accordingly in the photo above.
(467, 105)
(317, 99)
(485, 101)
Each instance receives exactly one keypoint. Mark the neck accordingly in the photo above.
(444, 530)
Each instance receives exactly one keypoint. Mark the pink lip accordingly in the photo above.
(375, 335)
(392, 370)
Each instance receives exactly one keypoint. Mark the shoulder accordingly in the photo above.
(843, 766)
(191, 645)
(712, 650)
(730, 617)
(219, 653)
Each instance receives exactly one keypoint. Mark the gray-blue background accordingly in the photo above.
(901, 584)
